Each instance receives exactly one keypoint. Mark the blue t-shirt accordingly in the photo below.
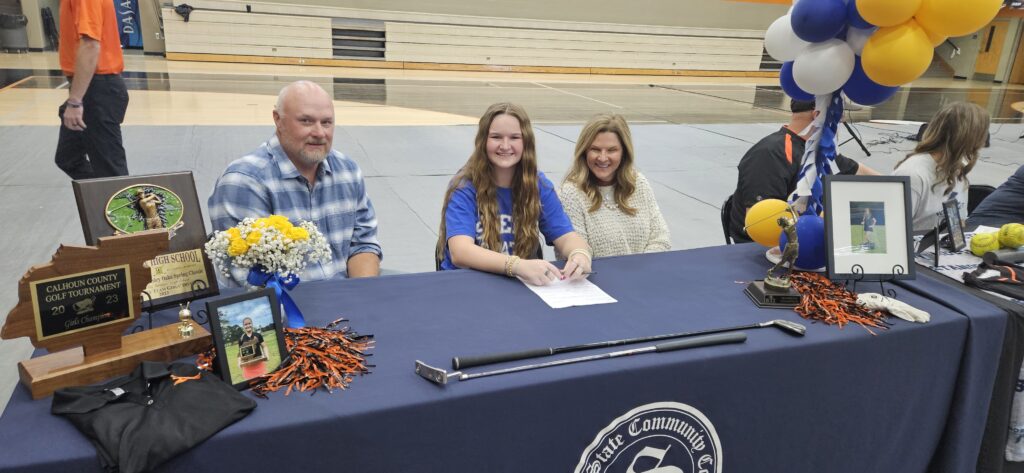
(461, 217)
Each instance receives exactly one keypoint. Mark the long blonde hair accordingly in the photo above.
(478, 171)
(955, 135)
(625, 177)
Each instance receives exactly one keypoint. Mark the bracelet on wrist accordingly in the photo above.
(580, 251)
(73, 104)
(510, 266)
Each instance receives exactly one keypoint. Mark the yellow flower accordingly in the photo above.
(238, 247)
(282, 227)
(253, 237)
(297, 233)
(276, 220)
(260, 223)
(280, 223)
(233, 233)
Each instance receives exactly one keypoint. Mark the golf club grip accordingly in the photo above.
(471, 361)
(707, 340)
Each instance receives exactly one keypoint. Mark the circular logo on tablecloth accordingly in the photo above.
(661, 437)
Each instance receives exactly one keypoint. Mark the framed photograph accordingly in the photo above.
(248, 334)
(128, 204)
(867, 228)
(951, 213)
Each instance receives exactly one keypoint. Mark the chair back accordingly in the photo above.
(975, 194)
(726, 212)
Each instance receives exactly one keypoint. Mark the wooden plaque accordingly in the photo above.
(129, 204)
(87, 297)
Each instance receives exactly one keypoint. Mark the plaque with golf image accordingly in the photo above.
(130, 204)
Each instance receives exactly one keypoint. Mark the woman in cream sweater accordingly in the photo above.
(611, 205)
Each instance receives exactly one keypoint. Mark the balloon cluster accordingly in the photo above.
(762, 227)
(866, 48)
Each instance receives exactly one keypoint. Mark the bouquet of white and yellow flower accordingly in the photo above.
(272, 245)
(274, 251)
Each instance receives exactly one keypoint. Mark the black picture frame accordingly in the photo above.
(951, 214)
(863, 260)
(93, 197)
(227, 316)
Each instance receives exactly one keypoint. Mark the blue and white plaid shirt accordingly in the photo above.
(266, 182)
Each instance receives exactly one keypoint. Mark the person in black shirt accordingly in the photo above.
(253, 349)
(770, 168)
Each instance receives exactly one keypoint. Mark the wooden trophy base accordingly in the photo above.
(770, 297)
(45, 374)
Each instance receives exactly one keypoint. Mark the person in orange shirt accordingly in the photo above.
(90, 55)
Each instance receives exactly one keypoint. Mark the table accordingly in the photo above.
(911, 398)
(991, 458)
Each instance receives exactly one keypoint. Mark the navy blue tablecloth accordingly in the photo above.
(838, 400)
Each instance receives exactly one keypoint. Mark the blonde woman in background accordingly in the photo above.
(498, 204)
(610, 203)
(939, 165)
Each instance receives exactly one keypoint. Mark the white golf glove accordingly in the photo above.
(898, 308)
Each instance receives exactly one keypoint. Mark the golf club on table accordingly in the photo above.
(464, 362)
(441, 377)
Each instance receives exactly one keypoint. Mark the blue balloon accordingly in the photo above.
(810, 233)
(789, 85)
(853, 17)
(861, 89)
(818, 20)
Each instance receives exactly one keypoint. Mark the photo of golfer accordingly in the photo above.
(252, 358)
(867, 227)
(250, 341)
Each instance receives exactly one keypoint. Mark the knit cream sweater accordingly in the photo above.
(609, 230)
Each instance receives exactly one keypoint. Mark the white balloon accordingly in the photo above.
(824, 67)
(857, 38)
(780, 41)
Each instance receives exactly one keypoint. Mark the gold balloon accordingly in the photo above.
(936, 39)
(896, 55)
(761, 224)
(888, 12)
(955, 17)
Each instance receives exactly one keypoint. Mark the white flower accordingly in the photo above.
(272, 242)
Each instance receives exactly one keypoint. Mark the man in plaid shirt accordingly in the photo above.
(298, 175)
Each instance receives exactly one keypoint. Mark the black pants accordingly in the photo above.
(96, 151)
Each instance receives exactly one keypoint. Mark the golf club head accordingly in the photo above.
(792, 327)
(435, 375)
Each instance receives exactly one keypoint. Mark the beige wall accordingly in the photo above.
(34, 28)
(963, 64)
(1009, 48)
(691, 13)
(149, 21)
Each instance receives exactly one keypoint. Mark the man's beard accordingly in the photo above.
(314, 157)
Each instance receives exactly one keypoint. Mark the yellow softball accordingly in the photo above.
(982, 243)
(1011, 235)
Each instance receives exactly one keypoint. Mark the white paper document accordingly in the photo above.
(566, 293)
